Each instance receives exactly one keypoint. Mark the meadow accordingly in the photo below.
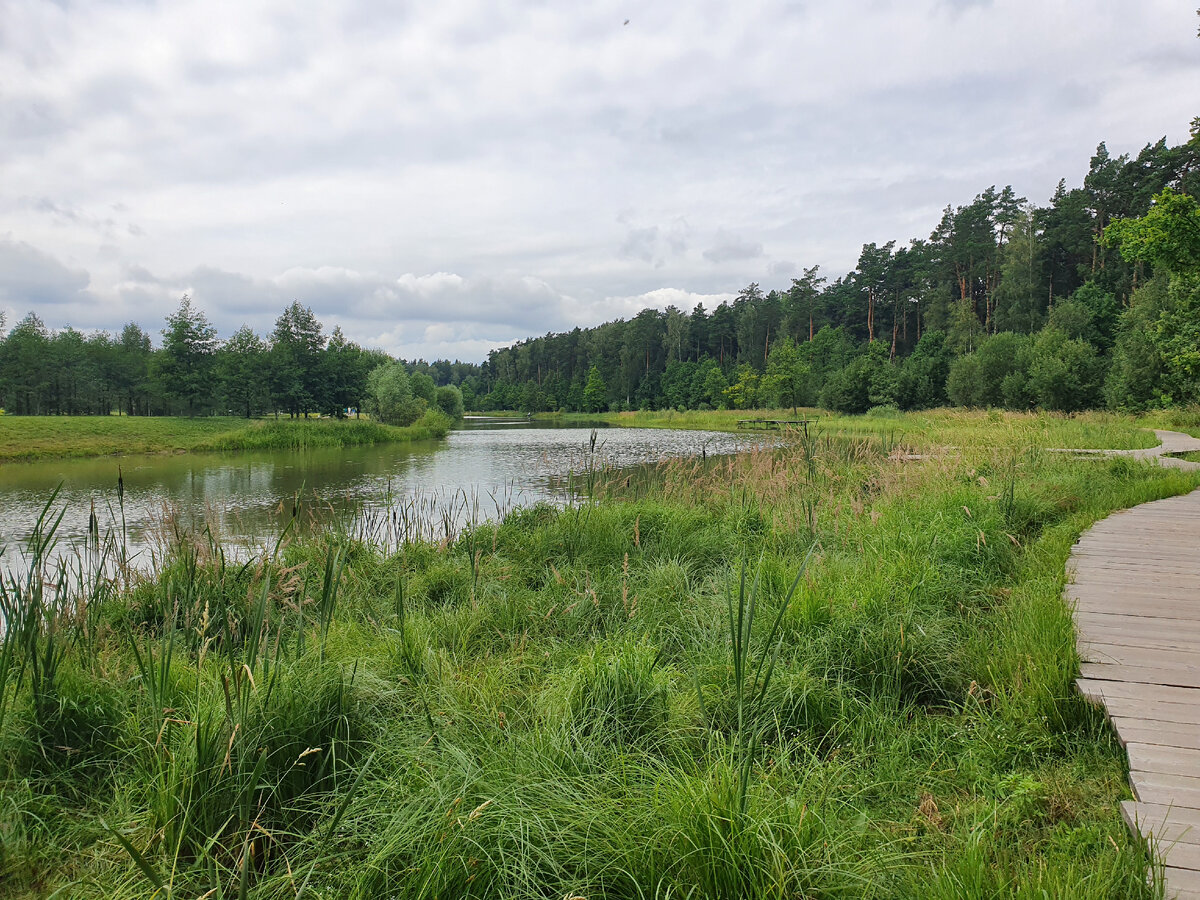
(936, 428)
(25, 438)
(836, 668)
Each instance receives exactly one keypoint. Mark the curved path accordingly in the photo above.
(1136, 597)
(1168, 442)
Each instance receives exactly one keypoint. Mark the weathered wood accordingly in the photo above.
(1160, 734)
(1166, 790)
(1150, 712)
(1184, 883)
(1163, 760)
(1165, 795)
(1141, 674)
(1106, 636)
(1138, 656)
(1151, 609)
(1157, 818)
(1134, 592)
(1135, 691)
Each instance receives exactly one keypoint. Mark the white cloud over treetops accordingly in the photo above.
(439, 179)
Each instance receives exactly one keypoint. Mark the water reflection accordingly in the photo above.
(477, 472)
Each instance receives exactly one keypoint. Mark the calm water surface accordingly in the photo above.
(477, 472)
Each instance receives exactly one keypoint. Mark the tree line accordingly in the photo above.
(1005, 303)
(296, 370)
(1090, 300)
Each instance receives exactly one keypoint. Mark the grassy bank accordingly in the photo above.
(820, 670)
(25, 438)
(303, 434)
(930, 428)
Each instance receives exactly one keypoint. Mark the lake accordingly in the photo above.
(245, 500)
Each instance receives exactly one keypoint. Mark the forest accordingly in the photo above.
(1092, 300)
(1089, 301)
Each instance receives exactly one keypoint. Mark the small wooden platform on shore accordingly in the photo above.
(1136, 598)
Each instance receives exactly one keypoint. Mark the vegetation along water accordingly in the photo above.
(833, 667)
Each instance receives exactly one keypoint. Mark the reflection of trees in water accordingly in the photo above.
(387, 494)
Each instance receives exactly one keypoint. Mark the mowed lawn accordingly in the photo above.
(39, 437)
(26, 438)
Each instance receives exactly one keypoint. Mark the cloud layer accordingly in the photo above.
(441, 179)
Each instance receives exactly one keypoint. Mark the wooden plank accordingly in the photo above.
(1166, 790)
(1157, 813)
(1139, 626)
(1099, 537)
(1086, 557)
(1134, 595)
(1181, 856)
(1133, 691)
(1109, 635)
(1183, 884)
(1130, 619)
(1150, 712)
(1151, 609)
(1117, 654)
(1121, 598)
(1163, 760)
(1095, 582)
(1158, 675)
(1148, 792)
(1157, 562)
(1164, 828)
(1137, 731)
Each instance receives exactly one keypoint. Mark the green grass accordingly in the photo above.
(929, 429)
(1185, 419)
(659, 693)
(45, 437)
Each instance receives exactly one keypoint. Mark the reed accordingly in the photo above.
(824, 667)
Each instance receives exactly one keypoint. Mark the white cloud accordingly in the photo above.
(518, 168)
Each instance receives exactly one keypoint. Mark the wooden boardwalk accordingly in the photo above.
(1136, 597)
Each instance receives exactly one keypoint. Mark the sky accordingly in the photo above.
(440, 179)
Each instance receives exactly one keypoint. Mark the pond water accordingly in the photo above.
(245, 500)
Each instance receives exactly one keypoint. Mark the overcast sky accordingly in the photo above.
(443, 178)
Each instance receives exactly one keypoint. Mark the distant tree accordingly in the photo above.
(131, 372)
(991, 376)
(1176, 334)
(800, 305)
(1064, 374)
(296, 377)
(240, 364)
(1020, 301)
(922, 381)
(450, 401)
(595, 392)
(423, 388)
(25, 367)
(743, 392)
(1135, 377)
(344, 368)
(786, 373)
(184, 368)
(1167, 236)
(389, 396)
(712, 387)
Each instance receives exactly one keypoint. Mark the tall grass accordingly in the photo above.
(935, 428)
(598, 699)
(305, 434)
